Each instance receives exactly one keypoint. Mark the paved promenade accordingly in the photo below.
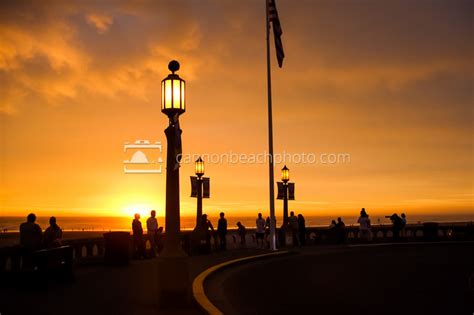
(99, 289)
(384, 279)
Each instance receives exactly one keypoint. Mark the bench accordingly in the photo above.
(57, 260)
(18, 266)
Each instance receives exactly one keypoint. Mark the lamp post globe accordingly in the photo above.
(173, 98)
(199, 167)
(285, 177)
(285, 174)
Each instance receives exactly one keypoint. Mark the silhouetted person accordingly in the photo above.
(364, 226)
(260, 231)
(30, 234)
(30, 240)
(53, 234)
(302, 229)
(397, 224)
(332, 232)
(138, 237)
(404, 224)
(340, 231)
(293, 221)
(152, 231)
(208, 230)
(241, 231)
(222, 231)
(369, 223)
(267, 231)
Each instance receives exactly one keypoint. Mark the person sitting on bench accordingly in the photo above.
(52, 235)
(30, 234)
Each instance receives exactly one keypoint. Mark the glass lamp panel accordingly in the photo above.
(183, 104)
(168, 94)
(176, 94)
(285, 174)
(199, 167)
(162, 95)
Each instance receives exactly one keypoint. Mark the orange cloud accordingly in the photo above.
(101, 22)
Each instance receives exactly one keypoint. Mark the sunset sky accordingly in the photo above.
(388, 82)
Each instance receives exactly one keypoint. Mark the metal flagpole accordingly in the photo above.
(270, 139)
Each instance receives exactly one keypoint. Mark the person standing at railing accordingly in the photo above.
(364, 226)
(340, 231)
(294, 226)
(208, 230)
(53, 234)
(369, 225)
(241, 231)
(260, 231)
(397, 224)
(152, 231)
(332, 232)
(302, 229)
(267, 231)
(222, 231)
(138, 237)
(404, 224)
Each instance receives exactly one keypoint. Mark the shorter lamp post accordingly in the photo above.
(286, 192)
(199, 189)
(285, 177)
(199, 173)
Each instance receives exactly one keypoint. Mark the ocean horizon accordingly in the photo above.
(112, 223)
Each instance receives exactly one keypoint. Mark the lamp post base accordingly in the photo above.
(199, 243)
(284, 234)
(173, 282)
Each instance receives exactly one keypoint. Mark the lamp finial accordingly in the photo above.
(173, 66)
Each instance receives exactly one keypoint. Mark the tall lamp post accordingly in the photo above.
(173, 105)
(286, 191)
(172, 265)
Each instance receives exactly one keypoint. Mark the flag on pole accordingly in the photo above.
(273, 18)
(291, 191)
(206, 185)
(281, 190)
(194, 186)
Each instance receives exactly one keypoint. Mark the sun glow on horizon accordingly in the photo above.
(142, 209)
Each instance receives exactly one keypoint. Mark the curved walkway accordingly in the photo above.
(399, 279)
(198, 283)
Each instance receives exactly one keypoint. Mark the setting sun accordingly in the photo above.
(142, 209)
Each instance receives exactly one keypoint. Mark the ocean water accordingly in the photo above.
(11, 224)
